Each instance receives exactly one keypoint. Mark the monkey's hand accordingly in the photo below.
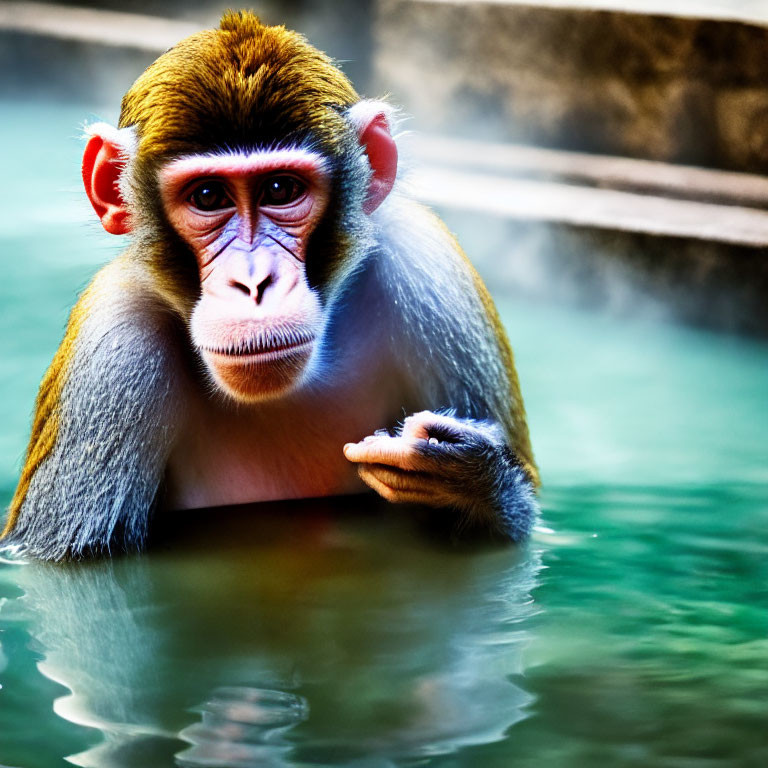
(441, 461)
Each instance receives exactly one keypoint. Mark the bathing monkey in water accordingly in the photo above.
(281, 307)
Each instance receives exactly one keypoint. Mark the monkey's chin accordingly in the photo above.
(252, 378)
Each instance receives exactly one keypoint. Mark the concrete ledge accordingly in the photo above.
(663, 179)
(593, 208)
(590, 191)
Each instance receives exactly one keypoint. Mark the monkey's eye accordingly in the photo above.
(210, 196)
(281, 190)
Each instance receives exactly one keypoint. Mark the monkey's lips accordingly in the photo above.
(260, 354)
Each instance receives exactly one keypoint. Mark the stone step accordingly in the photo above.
(590, 191)
(680, 81)
(587, 207)
(664, 179)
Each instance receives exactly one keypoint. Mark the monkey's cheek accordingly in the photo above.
(254, 378)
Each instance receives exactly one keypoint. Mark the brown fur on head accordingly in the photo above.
(242, 85)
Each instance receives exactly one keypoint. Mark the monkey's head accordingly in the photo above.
(245, 166)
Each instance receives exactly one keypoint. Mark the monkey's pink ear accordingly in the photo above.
(371, 120)
(381, 149)
(103, 162)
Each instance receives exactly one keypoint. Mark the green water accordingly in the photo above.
(631, 631)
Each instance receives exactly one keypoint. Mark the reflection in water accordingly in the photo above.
(291, 637)
(242, 727)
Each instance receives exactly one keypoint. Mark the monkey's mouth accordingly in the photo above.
(259, 366)
(260, 352)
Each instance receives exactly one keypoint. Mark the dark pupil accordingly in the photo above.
(281, 190)
(209, 197)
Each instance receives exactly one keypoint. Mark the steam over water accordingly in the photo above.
(631, 631)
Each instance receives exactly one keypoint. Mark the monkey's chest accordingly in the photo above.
(236, 457)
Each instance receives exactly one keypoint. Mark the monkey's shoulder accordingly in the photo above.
(423, 264)
(119, 318)
(436, 299)
(115, 369)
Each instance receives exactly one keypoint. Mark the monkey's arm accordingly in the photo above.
(442, 461)
(101, 430)
(451, 348)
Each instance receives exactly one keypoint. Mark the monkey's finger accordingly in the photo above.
(395, 451)
(413, 487)
(393, 495)
(399, 479)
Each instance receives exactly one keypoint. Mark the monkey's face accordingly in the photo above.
(247, 215)
(247, 218)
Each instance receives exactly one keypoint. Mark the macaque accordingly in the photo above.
(285, 323)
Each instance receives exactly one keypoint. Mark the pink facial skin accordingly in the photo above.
(247, 218)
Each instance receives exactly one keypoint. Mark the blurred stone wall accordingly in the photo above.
(688, 90)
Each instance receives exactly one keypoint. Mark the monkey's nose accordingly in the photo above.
(255, 289)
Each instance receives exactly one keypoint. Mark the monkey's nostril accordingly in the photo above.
(240, 287)
(261, 287)
(254, 291)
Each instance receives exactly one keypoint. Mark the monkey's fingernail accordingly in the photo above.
(434, 441)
